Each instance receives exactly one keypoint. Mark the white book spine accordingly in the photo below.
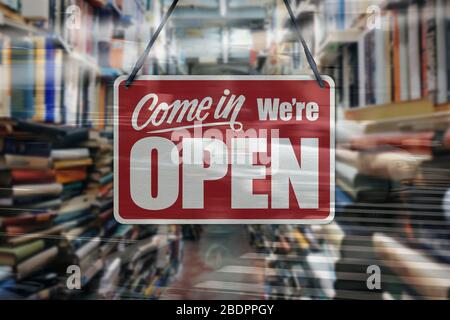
(37, 189)
(403, 52)
(70, 154)
(346, 78)
(380, 67)
(88, 247)
(414, 51)
(58, 85)
(441, 49)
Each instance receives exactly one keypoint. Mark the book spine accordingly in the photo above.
(423, 51)
(361, 71)
(441, 25)
(396, 56)
(447, 19)
(49, 81)
(26, 148)
(33, 264)
(22, 99)
(370, 67)
(380, 85)
(58, 89)
(354, 75)
(388, 57)
(40, 79)
(29, 176)
(403, 52)
(429, 34)
(414, 51)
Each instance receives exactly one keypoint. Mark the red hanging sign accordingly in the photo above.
(224, 149)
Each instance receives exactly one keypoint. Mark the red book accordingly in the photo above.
(22, 229)
(416, 143)
(104, 190)
(396, 57)
(21, 176)
(105, 215)
(424, 60)
(71, 175)
(28, 219)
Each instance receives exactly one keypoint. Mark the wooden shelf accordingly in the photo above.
(427, 122)
(390, 111)
(10, 19)
(442, 107)
(17, 24)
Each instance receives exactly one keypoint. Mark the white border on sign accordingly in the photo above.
(327, 220)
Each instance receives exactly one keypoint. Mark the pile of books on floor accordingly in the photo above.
(56, 217)
(297, 265)
(392, 212)
(393, 187)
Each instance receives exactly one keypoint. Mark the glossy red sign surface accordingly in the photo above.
(224, 150)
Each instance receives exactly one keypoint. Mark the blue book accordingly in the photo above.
(74, 186)
(50, 85)
(84, 238)
(106, 178)
(6, 272)
(61, 137)
(342, 199)
(33, 199)
(341, 15)
(23, 79)
(74, 215)
(27, 148)
(110, 226)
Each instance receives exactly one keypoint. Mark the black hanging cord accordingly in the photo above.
(141, 60)
(308, 54)
(144, 55)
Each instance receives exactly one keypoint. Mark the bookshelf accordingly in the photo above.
(391, 110)
(391, 87)
(56, 155)
(328, 50)
(11, 19)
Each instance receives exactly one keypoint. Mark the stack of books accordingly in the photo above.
(39, 199)
(393, 181)
(139, 262)
(56, 212)
(296, 264)
(393, 150)
(56, 188)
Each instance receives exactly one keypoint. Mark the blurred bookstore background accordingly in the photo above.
(391, 64)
